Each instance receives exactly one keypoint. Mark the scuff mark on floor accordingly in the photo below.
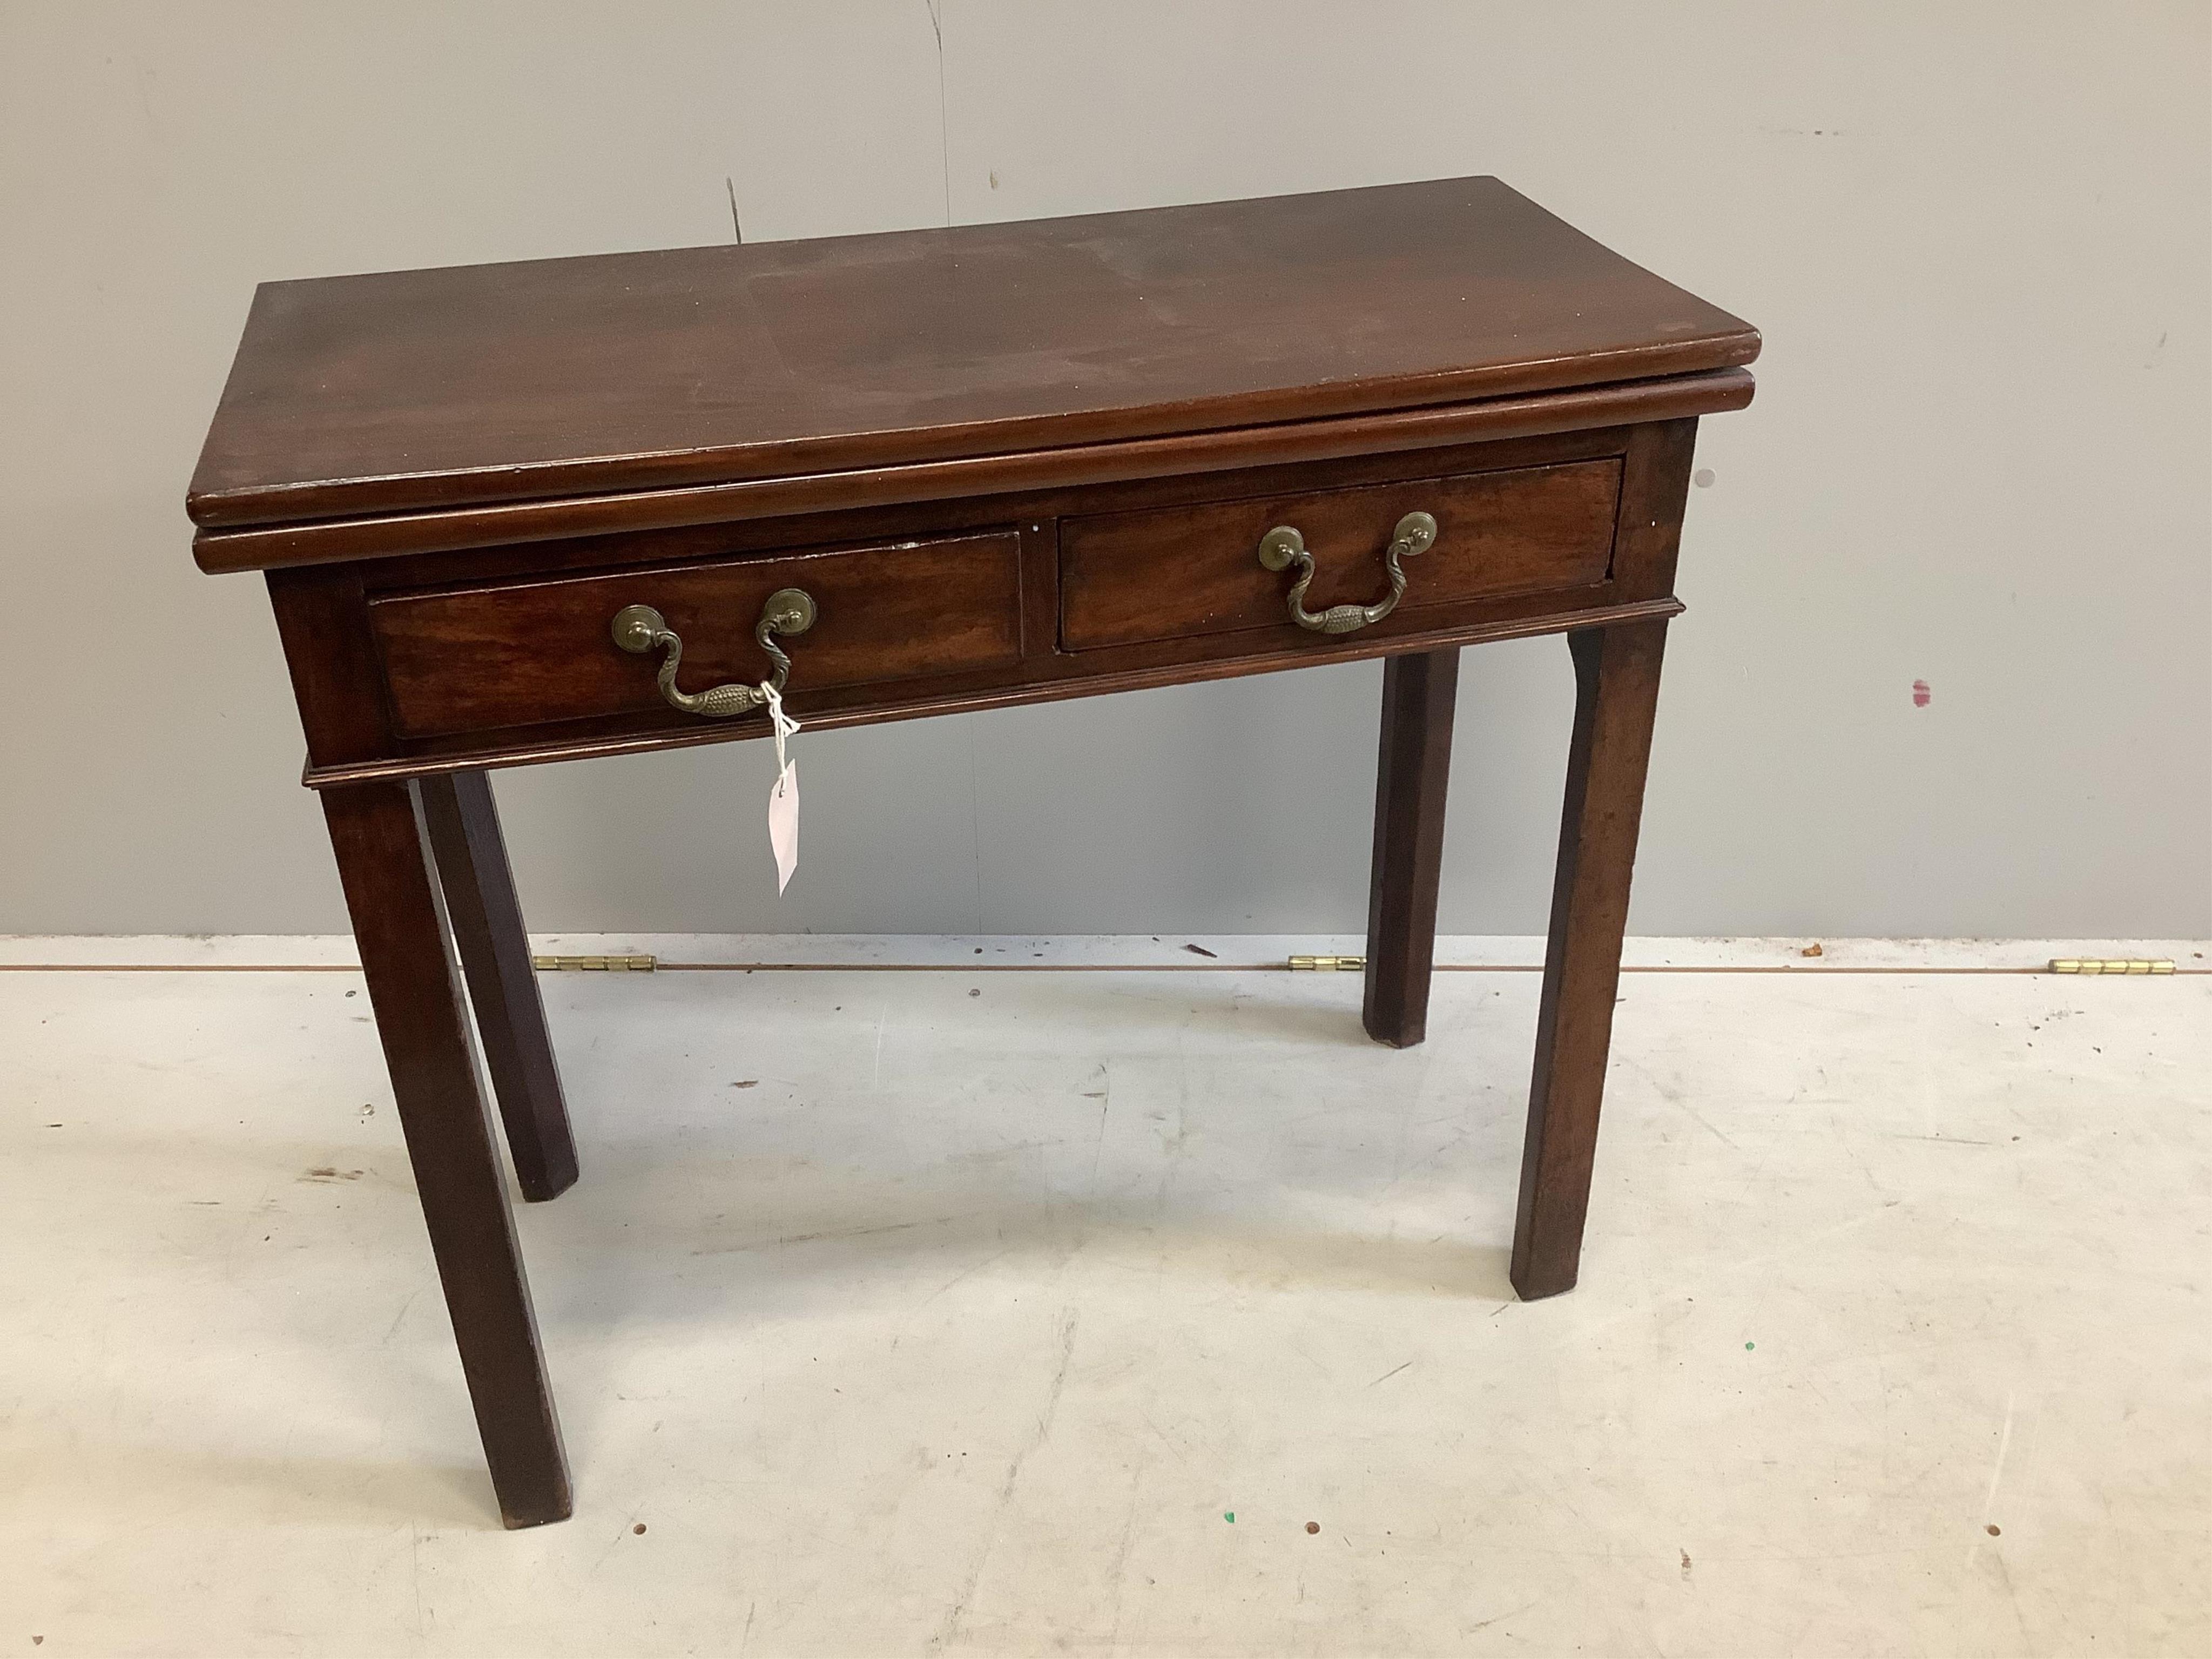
(1997, 1470)
(950, 1628)
(816, 1238)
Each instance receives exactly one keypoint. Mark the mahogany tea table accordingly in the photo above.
(516, 513)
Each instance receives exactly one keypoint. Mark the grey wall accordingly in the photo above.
(1976, 235)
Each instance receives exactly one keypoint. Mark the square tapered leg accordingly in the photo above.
(1411, 774)
(1617, 693)
(406, 957)
(487, 922)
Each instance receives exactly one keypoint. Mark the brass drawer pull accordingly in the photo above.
(640, 629)
(1283, 547)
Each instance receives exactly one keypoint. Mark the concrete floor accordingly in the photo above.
(1002, 1312)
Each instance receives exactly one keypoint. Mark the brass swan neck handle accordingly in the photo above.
(1283, 547)
(640, 629)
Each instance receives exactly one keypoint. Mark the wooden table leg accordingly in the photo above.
(384, 861)
(486, 920)
(1414, 766)
(1616, 693)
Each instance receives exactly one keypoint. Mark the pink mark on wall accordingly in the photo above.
(1920, 693)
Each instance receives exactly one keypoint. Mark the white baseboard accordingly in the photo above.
(233, 952)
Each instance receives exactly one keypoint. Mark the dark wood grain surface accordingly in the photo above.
(1176, 662)
(517, 653)
(383, 394)
(920, 483)
(1174, 572)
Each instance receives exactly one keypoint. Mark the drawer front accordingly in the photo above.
(523, 652)
(1175, 573)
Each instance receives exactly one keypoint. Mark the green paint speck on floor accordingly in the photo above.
(1748, 1346)
(1229, 1516)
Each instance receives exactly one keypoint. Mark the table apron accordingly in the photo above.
(496, 755)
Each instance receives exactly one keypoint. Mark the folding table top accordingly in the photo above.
(550, 379)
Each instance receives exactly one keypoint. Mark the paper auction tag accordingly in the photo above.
(783, 822)
(782, 794)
